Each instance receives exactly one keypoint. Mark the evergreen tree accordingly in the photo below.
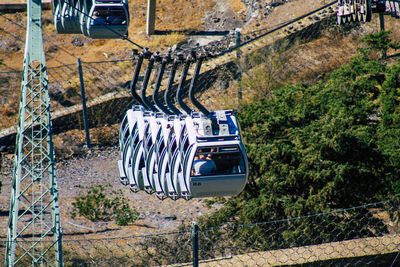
(317, 148)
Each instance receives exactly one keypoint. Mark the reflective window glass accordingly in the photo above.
(219, 160)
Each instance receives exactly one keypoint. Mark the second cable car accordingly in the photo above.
(107, 19)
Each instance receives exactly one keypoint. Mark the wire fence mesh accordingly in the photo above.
(99, 78)
(367, 235)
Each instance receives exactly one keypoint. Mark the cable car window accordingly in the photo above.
(223, 160)
(109, 15)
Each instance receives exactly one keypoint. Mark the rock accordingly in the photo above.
(52, 48)
(77, 41)
(170, 218)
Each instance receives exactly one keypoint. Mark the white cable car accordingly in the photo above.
(83, 15)
(157, 128)
(353, 10)
(105, 19)
(129, 138)
(124, 137)
(140, 152)
(69, 17)
(56, 7)
(394, 9)
(214, 160)
(181, 155)
(171, 130)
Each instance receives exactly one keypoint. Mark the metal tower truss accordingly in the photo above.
(34, 231)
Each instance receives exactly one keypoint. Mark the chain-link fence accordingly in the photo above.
(100, 78)
(367, 235)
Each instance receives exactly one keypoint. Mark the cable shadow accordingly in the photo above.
(194, 33)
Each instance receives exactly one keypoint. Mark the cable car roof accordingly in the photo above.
(226, 126)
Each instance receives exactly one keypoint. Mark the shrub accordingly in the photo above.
(380, 41)
(96, 206)
(318, 148)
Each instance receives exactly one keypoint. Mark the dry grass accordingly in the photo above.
(237, 6)
(70, 143)
(176, 16)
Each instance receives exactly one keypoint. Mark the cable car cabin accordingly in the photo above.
(141, 150)
(182, 156)
(107, 19)
(69, 17)
(214, 169)
(123, 137)
(214, 162)
(157, 126)
(171, 130)
(128, 139)
(56, 7)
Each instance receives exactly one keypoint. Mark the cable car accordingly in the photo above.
(214, 159)
(169, 154)
(69, 17)
(394, 9)
(105, 19)
(83, 15)
(140, 151)
(184, 155)
(124, 135)
(158, 130)
(353, 10)
(128, 140)
(171, 130)
(56, 7)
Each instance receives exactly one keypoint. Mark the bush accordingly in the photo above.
(96, 206)
(380, 41)
(317, 148)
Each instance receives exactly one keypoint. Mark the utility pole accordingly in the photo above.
(34, 229)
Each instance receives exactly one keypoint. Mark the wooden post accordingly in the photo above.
(151, 17)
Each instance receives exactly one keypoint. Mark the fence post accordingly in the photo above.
(85, 118)
(195, 238)
(238, 55)
(151, 17)
(382, 24)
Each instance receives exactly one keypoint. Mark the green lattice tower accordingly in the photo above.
(34, 231)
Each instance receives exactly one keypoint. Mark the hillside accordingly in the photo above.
(307, 60)
(99, 165)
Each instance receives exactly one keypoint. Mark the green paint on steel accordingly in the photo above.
(34, 229)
